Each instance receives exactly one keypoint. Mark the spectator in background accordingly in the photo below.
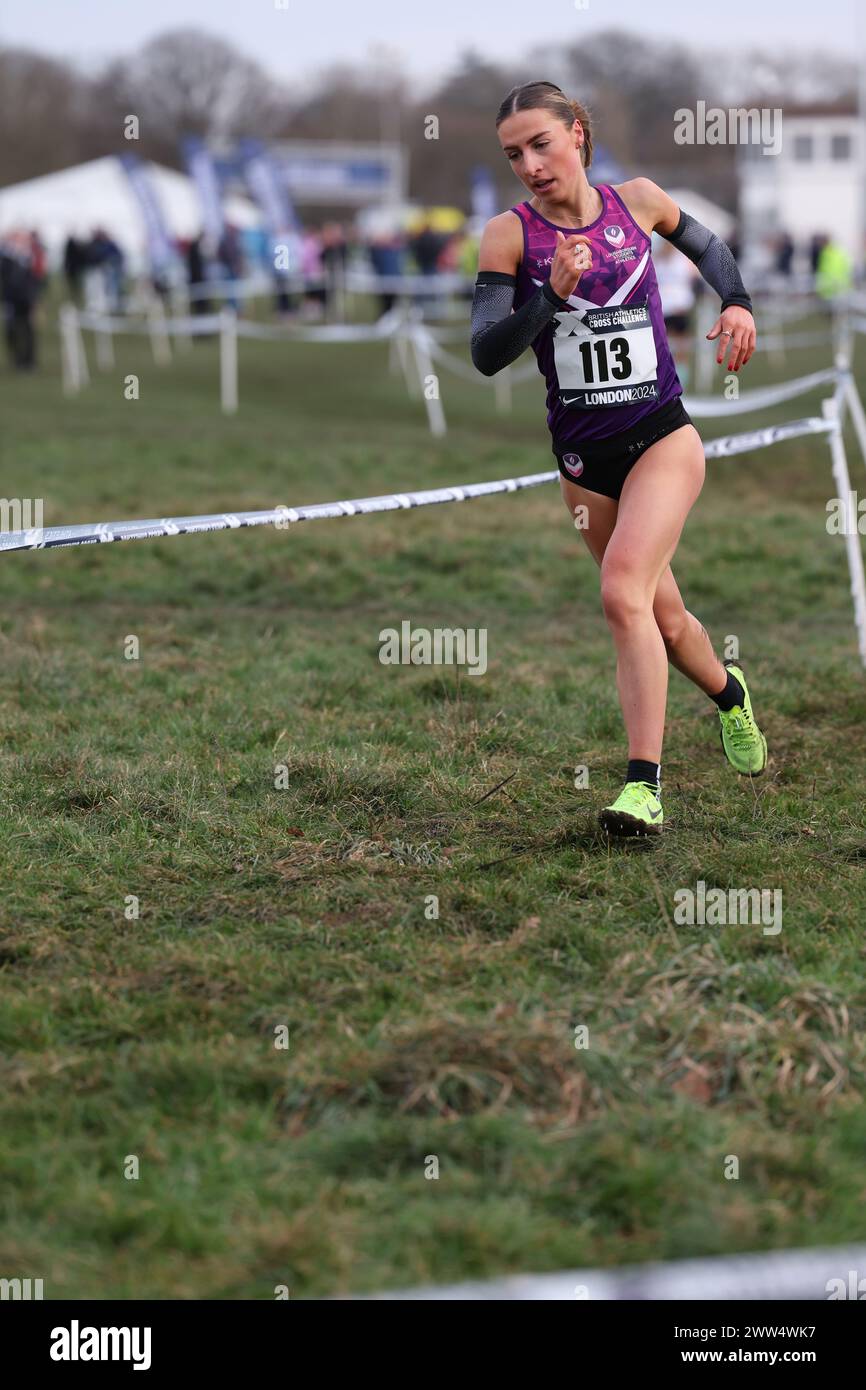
(817, 242)
(335, 256)
(386, 254)
(38, 258)
(196, 274)
(427, 246)
(74, 265)
(286, 256)
(230, 260)
(229, 252)
(834, 272)
(784, 254)
(465, 255)
(104, 255)
(313, 271)
(19, 291)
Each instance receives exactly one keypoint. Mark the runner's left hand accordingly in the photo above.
(737, 329)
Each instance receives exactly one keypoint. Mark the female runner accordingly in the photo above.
(573, 264)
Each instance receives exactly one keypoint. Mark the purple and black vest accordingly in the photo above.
(605, 358)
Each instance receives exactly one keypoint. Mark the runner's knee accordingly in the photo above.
(625, 598)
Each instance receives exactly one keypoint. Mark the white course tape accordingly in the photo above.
(702, 407)
(280, 517)
(319, 333)
(195, 323)
(454, 363)
(465, 370)
(798, 1275)
(705, 407)
(255, 288)
(245, 328)
(774, 341)
(95, 533)
(445, 282)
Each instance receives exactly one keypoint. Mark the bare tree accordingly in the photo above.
(190, 83)
(36, 95)
(465, 106)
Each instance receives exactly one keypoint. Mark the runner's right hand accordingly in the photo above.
(572, 257)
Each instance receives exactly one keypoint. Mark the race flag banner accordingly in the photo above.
(268, 186)
(203, 172)
(160, 250)
(483, 193)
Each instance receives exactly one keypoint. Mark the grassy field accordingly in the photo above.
(303, 906)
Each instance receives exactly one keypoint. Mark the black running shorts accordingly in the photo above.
(602, 465)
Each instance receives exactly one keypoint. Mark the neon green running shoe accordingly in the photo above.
(636, 811)
(743, 744)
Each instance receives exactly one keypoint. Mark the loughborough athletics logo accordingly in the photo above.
(615, 235)
(573, 464)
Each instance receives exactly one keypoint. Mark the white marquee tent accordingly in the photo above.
(73, 202)
(710, 214)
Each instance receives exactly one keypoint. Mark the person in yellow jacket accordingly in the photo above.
(833, 273)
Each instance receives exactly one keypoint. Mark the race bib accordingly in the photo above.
(605, 356)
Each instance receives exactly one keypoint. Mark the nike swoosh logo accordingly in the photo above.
(655, 814)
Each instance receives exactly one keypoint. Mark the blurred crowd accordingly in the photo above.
(821, 257)
(101, 260)
(303, 267)
(208, 274)
(23, 271)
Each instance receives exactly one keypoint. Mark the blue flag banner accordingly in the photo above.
(202, 170)
(268, 187)
(483, 193)
(160, 249)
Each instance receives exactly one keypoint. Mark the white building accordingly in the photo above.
(815, 184)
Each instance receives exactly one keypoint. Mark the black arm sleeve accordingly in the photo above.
(498, 335)
(713, 258)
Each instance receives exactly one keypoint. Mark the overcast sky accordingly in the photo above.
(293, 38)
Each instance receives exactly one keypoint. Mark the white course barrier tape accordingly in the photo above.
(443, 334)
(281, 517)
(95, 533)
(368, 282)
(772, 342)
(255, 288)
(704, 407)
(728, 445)
(319, 333)
(454, 363)
(194, 323)
(464, 369)
(357, 279)
(211, 323)
(792, 1275)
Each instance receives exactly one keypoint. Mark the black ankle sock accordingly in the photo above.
(641, 771)
(733, 694)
